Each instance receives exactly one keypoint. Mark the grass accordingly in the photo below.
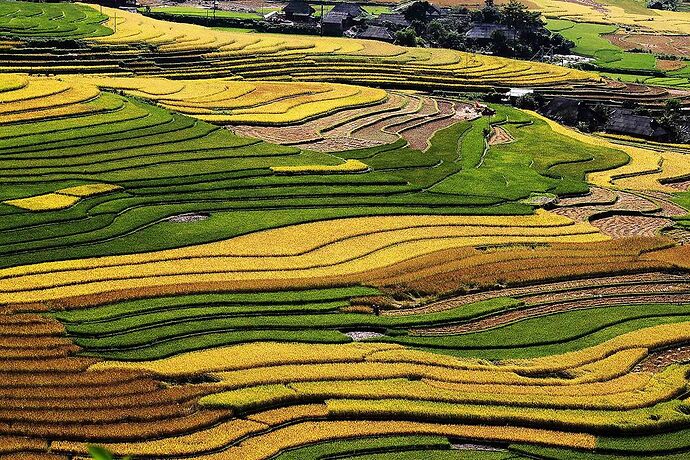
(203, 12)
(118, 331)
(586, 36)
(366, 446)
(611, 60)
(141, 147)
(46, 21)
(533, 337)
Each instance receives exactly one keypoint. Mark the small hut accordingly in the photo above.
(376, 33)
(628, 123)
(297, 10)
(483, 32)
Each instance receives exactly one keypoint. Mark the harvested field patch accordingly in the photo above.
(674, 45)
(626, 226)
(246, 246)
(499, 136)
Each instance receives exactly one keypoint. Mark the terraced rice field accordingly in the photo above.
(320, 265)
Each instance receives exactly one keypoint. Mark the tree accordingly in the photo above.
(436, 33)
(672, 106)
(99, 453)
(406, 37)
(417, 11)
(499, 43)
(516, 15)
(670, 5)
(671, 118)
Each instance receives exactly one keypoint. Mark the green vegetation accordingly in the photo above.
(683, 199)
(144, 149)
(613, 61)
(508, 171)
(50, 21)
(154, 328)
(587, 37)
(366, 446)
(534, 337)
(203, 12)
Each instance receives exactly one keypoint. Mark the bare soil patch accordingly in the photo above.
(660, 359)
(669, 64)
(339, 144)
(499, 136)
(625, 226)
(188, 217)
(676, 45)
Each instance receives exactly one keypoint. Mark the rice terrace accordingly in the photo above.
(330, 229)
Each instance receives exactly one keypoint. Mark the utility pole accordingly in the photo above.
(321, 19)
(214, 9)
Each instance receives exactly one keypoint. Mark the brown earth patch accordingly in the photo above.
(660, 359)
(590, 3)
(675, 45)
(669, 64)
(579, 304)
(453, 271)
(625, 226)
(681, 235)
(499, 136)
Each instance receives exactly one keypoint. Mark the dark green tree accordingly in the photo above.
(406, 37)
(516, 15)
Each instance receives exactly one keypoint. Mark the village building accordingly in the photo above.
(376, 33)
(395, 20)
(626, 122)
(568, 111)
(484, 32)
(297, 10)
(340, 18)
